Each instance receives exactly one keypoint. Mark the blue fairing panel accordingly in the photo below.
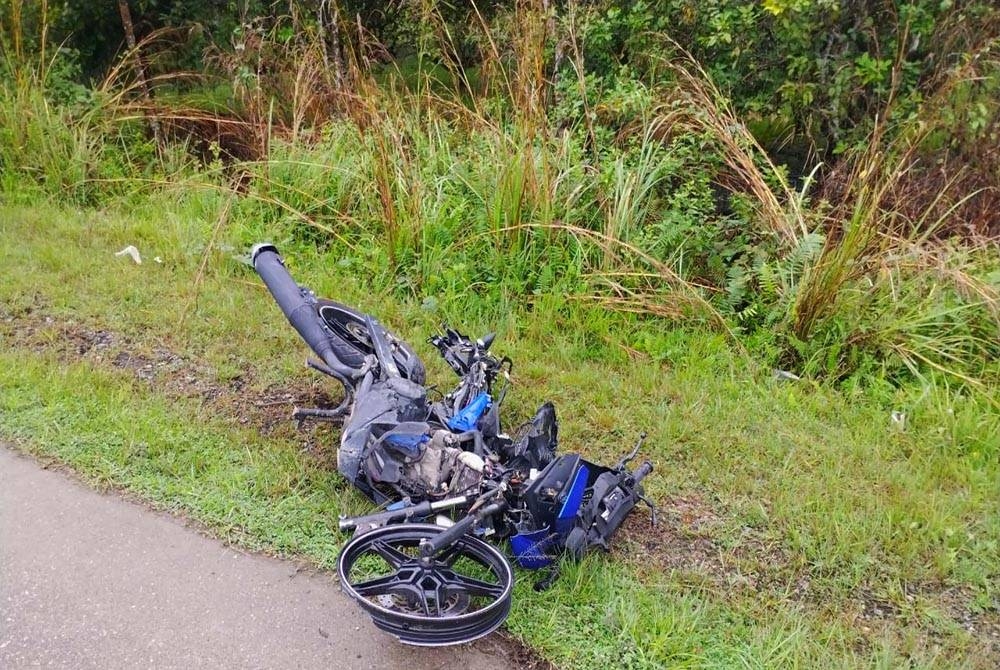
(567, 515)
(469, 416)
(531, 549)
(407, 443)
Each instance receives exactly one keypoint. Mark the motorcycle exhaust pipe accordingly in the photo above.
(297, 310)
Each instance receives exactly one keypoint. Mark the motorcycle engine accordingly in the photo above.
(443, 468)
(423, 463)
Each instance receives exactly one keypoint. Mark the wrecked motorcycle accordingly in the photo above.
(445, 474)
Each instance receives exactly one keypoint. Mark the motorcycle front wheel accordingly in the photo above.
(459, 595)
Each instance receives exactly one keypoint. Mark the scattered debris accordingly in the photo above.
(131, 252)
(684, 541)
(414, 458)
(898, 420)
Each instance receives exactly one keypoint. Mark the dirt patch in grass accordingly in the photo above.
(936, 609)
(517, 653)
(681, 540)
(984, 621)
(687, 542)
(239, 398)
(943, 607)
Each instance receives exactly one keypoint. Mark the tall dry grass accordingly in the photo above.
(883, 281)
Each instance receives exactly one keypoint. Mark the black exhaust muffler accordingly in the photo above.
(297, 309)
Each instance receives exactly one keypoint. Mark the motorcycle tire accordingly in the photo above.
(351, 342)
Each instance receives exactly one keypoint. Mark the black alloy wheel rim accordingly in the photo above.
(351, 329)
(428, 602)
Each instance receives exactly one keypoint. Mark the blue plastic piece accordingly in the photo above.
(567, 515)
(408, 443)
(469, 416)
(530, 549)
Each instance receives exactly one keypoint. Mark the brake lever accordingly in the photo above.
(631, 456)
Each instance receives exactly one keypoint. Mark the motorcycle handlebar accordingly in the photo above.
(407, 513)
(452, 534)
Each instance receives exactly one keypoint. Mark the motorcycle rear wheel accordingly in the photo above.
(351, 341)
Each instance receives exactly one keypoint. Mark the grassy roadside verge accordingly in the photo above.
(800, 527)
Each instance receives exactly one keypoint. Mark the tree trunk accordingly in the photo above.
(140, 73)
(329, 24)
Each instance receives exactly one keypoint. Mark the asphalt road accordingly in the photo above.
(89, 580)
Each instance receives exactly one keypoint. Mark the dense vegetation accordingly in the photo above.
(809, 186)
(816, 179)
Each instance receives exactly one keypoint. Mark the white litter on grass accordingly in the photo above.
(132, 252)
(898, 419)
(158, 259)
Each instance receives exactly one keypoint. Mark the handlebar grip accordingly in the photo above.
(448, 536)
(641, 471)
(453, 533)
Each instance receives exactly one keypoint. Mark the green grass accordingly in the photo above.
(254, 491)
(807, 503)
